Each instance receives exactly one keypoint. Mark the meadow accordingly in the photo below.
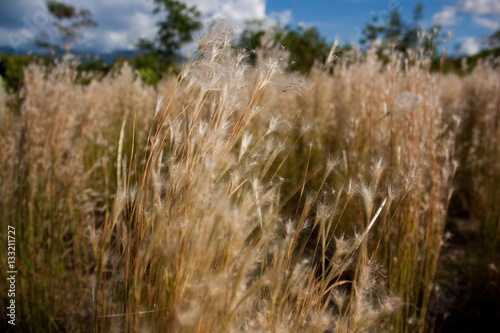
(240, 198)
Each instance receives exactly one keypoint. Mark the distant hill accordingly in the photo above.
(10, 50)
(108, 58)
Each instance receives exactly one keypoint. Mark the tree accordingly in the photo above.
(174, 31)
(161, 54)
(493, 41)
(391, 30)
(69, 24)
(304, 45)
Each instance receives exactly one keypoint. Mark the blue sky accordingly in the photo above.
(122, 22)
(469, 20)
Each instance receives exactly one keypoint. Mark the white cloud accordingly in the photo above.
(446, 17)
(236, 12)
(480, 7)
(318, 24)
(284, 17)
(122, 23)
(470, 45)
(449, 14)
(484, 13)
(487, 23)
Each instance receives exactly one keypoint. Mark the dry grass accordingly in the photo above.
(248, 199)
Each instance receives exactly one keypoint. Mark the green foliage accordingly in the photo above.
(92, 69)
(454, 64)
(60, 10)
(391, 30)
(493, 41)
(151, 66)
(94, 65)
(305, 45)
(173, 32)
(251, 38)
(14, 66)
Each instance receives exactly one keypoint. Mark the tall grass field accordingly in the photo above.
(241, 198)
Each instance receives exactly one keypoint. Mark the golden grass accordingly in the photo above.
(249, 198)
